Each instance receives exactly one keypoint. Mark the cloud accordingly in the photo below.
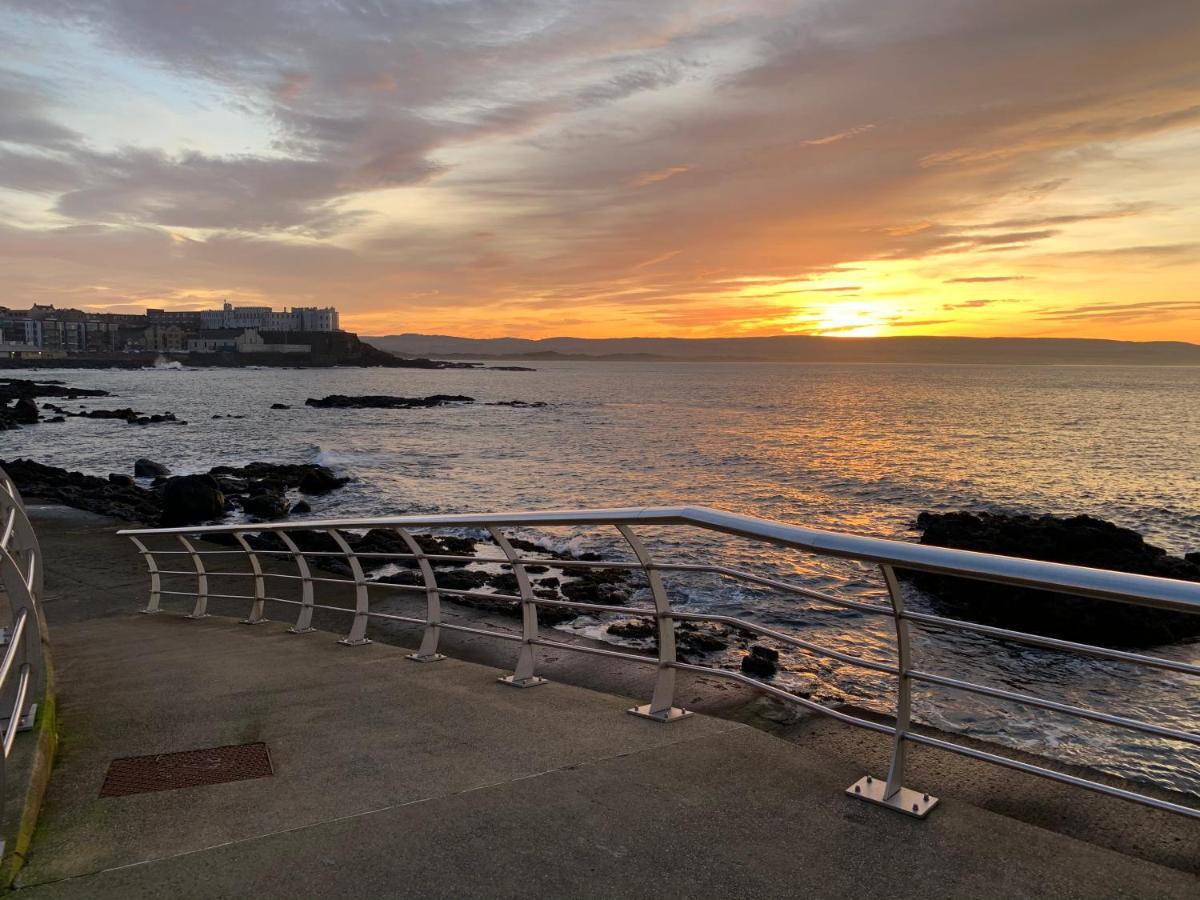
(773, 141)
(659, 175)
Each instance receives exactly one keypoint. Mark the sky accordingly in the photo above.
(604, 168)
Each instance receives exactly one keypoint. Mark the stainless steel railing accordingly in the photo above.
(887, 555)
(22, 675)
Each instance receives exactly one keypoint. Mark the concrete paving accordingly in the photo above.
(395, 778)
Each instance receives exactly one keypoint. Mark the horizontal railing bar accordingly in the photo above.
(393, 617)
(741, 575)
(14, 721)
(1067, 709)
(14, 644)
(1038, 640)
(789, 639)
(597, 651)
(1096, 583)
(504, 635)
(784, 695)
(1052, 774)
(596, 607)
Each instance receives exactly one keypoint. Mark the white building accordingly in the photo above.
(263, 318)
(237, 340)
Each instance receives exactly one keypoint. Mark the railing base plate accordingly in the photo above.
(674, 714)
(27, 720)
(252, 621)
(149, 612)
(346, 642)
(295, 630)
(911, 803)
(432, 657)
(532, 681)
(201, 616)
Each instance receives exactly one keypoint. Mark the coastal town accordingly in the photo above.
(45, 332)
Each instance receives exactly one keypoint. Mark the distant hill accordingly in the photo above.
(804, 348)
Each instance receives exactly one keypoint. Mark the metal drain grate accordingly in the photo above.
(189, 768)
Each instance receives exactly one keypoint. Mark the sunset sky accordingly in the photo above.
(604, 168)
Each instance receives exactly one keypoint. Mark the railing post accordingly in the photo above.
(200, 611)
(256, 616)
(433, 603)
(661, 707)
(522, 676)
(892, 793)
(304, 620)
(358, 631)
(153, 604)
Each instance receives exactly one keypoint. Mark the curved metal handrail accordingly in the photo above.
(885, 555)
(21, 578)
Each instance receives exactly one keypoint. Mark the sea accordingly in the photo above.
(855, 448)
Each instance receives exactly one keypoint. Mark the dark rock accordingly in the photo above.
(1080, 541)
(461, 579)
(383, 401)
(145, 468)
(758, 665)
(98, 495)
(519, 404)
(1193, 558)
(319, 480)
(505, 582)
(280, 406)
(25, 412)
(15, 388)
(301, 508)
(123, 480)
(551, 582)
(266, 506)
(633, 628)
(191, 500)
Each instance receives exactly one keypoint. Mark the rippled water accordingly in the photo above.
(854, 448)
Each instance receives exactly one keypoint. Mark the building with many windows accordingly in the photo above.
(264, 318)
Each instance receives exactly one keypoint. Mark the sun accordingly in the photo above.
(851, 320)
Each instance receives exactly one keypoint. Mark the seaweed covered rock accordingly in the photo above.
(1079, 541)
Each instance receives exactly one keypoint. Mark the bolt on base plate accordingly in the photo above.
(531, 681)
(673, 714)
(911, 803)
(433, 657)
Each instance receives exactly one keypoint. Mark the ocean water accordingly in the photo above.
(859, 448)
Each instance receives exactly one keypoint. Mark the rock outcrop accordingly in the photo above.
(1080, 541)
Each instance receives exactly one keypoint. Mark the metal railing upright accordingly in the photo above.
(887, 556)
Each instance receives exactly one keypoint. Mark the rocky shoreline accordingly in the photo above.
(260, 490)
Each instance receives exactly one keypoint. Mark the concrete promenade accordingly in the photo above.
(393, 778)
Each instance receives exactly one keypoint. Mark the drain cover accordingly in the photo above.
(190, 768)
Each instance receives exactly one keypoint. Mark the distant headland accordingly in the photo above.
(804, 349)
